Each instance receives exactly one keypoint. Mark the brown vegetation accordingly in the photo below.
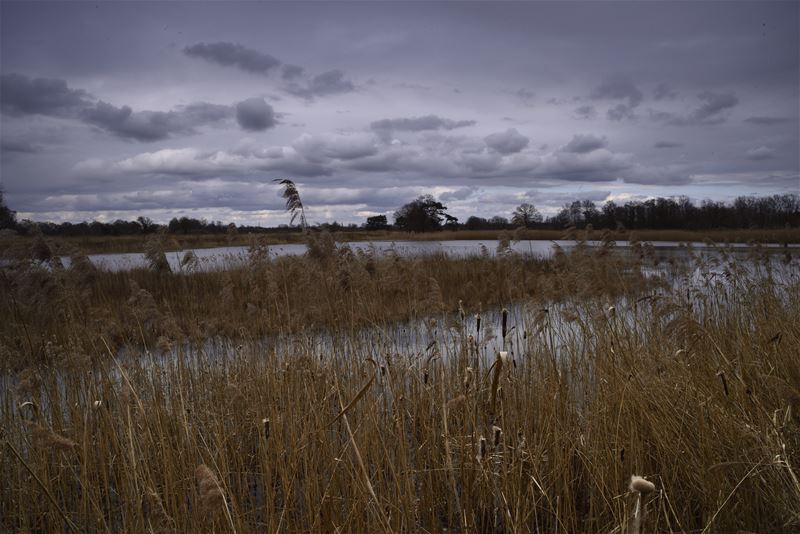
(137, 243)
(604, 375)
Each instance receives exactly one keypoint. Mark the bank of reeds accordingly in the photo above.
(693, 387)
(48, 306)
(137, 243)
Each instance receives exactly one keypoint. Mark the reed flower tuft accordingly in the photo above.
(211, 494)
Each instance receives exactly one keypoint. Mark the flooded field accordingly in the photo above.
(227, 257)
(470, 390)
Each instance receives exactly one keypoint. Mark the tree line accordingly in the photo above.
(426, 214)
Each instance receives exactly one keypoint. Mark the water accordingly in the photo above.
(230, 257)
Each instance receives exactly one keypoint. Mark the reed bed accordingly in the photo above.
(606, 372)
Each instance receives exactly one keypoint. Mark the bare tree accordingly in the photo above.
(526, 215)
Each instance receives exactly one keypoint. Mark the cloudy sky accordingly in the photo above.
(115, 110)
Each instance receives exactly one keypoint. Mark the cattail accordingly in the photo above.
(612, 311)
(641, 487)
(498, 432)
(721, 376)
(265, 422)
(478, 323)
(467, 378)
(504, 329)
(481, 448)
(211, 495)
(97, 404)
(502, 356)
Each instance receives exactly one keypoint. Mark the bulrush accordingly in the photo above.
(211, 494)
(641, 487)
(467, 378)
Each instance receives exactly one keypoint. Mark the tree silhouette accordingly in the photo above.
(526, 215)
(422, 215)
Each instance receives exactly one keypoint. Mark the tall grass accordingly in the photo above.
(604, 376)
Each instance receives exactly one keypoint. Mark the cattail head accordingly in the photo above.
(468, 378)
(498, 433)
(641, 485)
(481, 448)
(265, 422)
(97, 404)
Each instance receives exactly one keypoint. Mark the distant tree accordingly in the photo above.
(498, 222)
(377, 222)
(476, 223)
(422, 215)
(147, 224)
(526, 215)
(8, 217)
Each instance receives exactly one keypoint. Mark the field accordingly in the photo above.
(350, 392)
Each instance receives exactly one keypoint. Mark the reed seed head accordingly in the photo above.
(641, 485)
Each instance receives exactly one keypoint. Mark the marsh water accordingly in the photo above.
(230, 257)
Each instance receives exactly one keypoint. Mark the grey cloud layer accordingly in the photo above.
(697, 98)
(21, 96)
(419, 124)
(235, 55)
(153, 125)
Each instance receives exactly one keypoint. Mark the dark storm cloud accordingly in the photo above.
(328, 83)
(713, 106)
(508, 142)
(146, 126)
(20, 95)
(620, 112)
(760, 153)
(321, 148)
(769, 121)
(586, 112)
(713, 109)
(666, 144)
(618, 87)
(290, 72)
(234, 55)
(664, 91)
(582, 144)
(419, 124)
(53, 97)
(255, 115)
(19, 146)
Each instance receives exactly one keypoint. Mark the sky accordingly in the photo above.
(114, 110)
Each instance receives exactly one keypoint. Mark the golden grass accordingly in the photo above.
(360, 433)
